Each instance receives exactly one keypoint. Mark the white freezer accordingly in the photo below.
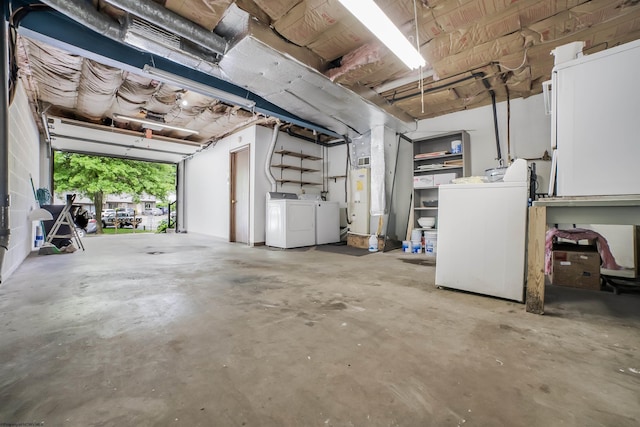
(481, 238)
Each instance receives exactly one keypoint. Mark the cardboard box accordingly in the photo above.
(423, 181)
(443, 178)
(577, 266)
(362, 242)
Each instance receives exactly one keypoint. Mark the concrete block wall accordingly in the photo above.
(24, 163)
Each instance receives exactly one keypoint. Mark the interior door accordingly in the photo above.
(239, 203)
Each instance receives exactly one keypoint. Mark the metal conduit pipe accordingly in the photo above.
(495, 114)
(5, 231)
(162, 17)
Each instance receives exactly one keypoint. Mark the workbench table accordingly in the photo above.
(620, 210)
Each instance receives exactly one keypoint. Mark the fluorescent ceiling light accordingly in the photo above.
(372, 17)
(153, 125)
(202, 89)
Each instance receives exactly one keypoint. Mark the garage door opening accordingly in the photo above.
(118, 195)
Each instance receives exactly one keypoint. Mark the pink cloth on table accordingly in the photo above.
(608, 261)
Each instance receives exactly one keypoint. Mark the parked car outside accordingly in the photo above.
(124, 219)
(107, 212)
(153, 211)
(127, 211)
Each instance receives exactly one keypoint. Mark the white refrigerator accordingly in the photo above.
(481, 238)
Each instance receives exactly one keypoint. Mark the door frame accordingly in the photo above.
(232, 188)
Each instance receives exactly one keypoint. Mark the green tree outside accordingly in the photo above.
(93, 177)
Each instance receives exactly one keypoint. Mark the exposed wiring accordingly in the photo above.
(524, 60)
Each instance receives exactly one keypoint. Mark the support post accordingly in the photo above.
(535, 259)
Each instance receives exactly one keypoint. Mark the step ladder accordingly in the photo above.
(65, 218)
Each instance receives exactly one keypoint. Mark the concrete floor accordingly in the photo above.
(157, 330)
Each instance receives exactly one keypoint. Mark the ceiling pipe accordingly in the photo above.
(495, 116)
(88, 16)
(332, 143)
(267, 163)
(163, 17)
(5, 231)
(91, 18)
(402, 81)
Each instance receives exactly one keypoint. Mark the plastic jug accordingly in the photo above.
(39, 237)
(373, 243)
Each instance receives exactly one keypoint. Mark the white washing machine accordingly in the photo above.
(291, 223)
(327, 222)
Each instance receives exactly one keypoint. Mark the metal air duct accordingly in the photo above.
(133, 33)
(289, 77)
(84, 13)
(164, 18)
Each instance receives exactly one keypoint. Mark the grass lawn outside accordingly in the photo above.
(125, 231)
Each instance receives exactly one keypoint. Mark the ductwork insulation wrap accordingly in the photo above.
(378, 197)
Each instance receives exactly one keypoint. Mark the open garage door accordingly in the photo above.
(78, 137)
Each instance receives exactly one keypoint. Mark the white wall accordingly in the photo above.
(337, 167)
(207, 181)
(288, 142)
(207, 185)
(262, 184)
(530, 133)
(207, 173)
(24, 152)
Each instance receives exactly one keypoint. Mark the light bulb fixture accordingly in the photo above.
(372, 17)
(153, 125)
(184, 83)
